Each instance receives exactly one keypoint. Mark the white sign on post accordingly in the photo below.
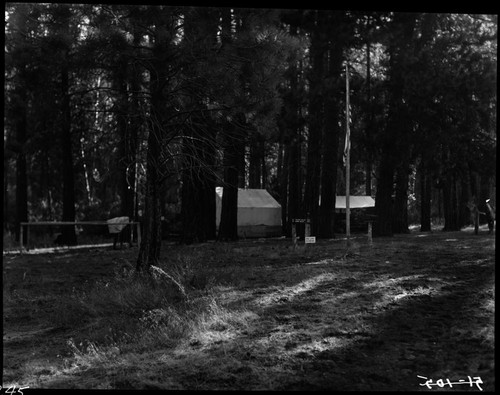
(310, 239)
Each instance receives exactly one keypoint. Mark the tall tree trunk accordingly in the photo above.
(383, 198)
(199, 150)
(21, 172)
(241, 163)
(208, 204)
(228, 227)
(190, 192)
(198, 185)
(207, 185)
(135, 124)
(20, 112)
(135, 121)
(400, 213)
(149, 251)
(290, 183)
(48, 188)
(293, 180)
(255, 165)
(450, 204)
(6, 206)
(368, 177)
(121, 111)
(316, 114)
(464, 196)
(150, 248)
(396, 140)
(425, 196)
(369, 126)
(331, 136)
(283, 185)
(68, 232)
(241, 19)
(295, 150)
(263, 170)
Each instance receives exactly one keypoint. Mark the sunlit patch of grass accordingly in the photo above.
(215, 322)
(293, 291)
(489, 305)
(181, 334)
(390, 281)
(326, 344)
(127, 316)
(88, 353)
(487, 332)
(403, 292)
(249, 322)
(36, 369)
(396, 289)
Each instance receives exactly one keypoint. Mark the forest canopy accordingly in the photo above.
(141, 111)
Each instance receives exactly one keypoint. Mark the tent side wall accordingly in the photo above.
(256, 221)
(259, 222)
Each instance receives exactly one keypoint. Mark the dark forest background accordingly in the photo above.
(142, 111)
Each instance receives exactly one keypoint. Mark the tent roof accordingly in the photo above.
(253, 198)
(354, 202)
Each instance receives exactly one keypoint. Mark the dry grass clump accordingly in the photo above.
(174, 331)
(131, 313)
(216, 321)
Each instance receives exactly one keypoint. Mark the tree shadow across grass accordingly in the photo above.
(427, 335)
(373, 321)
(375, 330)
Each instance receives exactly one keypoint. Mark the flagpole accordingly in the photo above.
(348, 159)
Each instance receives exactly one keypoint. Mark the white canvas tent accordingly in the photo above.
(259, 214)
(354, 202)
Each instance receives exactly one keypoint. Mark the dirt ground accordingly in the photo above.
(394, 315)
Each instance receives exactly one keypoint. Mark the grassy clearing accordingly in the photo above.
(259, 315)
(120, 314)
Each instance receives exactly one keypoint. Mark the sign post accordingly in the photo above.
(308, 239)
